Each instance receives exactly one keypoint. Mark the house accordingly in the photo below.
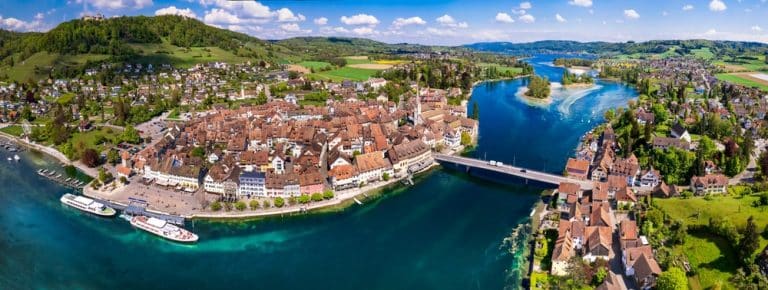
(252, 184)
(628, 234)
(373, 166)
(625, 198)
(410, 157)
(566, 189)
(343, 177)
(663, 190)
(612, 282)
(563, 251)
(709, 184)
(598, 243)
(667, 142)
(578, 169)
(650, 178)
(679, 132)
(311, 182)
(639, 262)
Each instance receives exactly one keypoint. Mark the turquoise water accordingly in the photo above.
(445, 232)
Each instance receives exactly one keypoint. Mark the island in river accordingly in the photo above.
(445, 232)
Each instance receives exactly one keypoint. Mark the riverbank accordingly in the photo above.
(50, 151)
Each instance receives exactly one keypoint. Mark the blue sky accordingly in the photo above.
(431, 21)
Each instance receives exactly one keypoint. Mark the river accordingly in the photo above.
(445, 232)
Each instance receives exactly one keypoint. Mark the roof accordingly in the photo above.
(628, 230)
(371, 161)
(577, 166)
(568, 188)
(709, 180)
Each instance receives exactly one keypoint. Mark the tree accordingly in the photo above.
(279, 202)
(672, 279)
(254, 204)
(304, 198)
(475, 111)
(385, 176)
(599, 276)
(130, 135)
(750, 241)
(113, 157)
(266, 204)
(317, 197)
(466, 139)
(198, 152)
(216, 206)
(90, 158)
(328, 194)
(240, 205)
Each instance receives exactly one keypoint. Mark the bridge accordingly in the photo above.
(523, 173)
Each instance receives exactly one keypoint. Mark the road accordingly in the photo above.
(748, 175)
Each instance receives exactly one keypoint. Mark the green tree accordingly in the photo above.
(198, 152)
(216, 206)
(475, 111)
(600, 276)
(254, 204)
(328, 194)
(466, 139)
(672, 279)
(130, 135)
(750, 242)
(279, 202)
(385, 176)
(304, 198)
(266, 204)
(240, 205)
(317, 196)
(113, 157)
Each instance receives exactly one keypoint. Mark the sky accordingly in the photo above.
(433, 22)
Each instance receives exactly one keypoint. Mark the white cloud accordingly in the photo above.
(631, 14)
(21, 25)
(445, 20)
(290, 27)
(220, 16)
(321, 21)
(116, 4)
(504, 18)
(582, 3)
(756, 28)
(664, 13)
(717, 5)
(462, 24)
(360, 19)
(687, 7)
(400, 22)
(172, 10)
(286, 15)
(363, 31)
(527, 18)
(441, 32)
(711, 31)
(559, 18)
(244, 9)
(39, 16)
(526, 5)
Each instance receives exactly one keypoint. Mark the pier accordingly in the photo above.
(512, 171)
(137, 206)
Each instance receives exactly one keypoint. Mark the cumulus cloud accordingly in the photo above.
(582, 3)
(116, 4)
(286, 15)
(220, 16)
(360, 19)
(527, 18)
(441, 31)
(504, 18)
(559, 18)
(687, 7)
(400, 22)
(16, 24)
(290, 27)
(172, 10)
(631, 14)
(711, 31)
(717, 5)
(321, 21)
(526, 5)
(756, 28)
(448, 21)
(363, 30)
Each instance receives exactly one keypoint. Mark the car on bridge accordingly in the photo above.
(492, 163)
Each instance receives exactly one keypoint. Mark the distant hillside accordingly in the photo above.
(680, 47)
(65, 50)
(330, 47)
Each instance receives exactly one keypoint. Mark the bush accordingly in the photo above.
(266, 204)
(328, 194)
(317, 196)
(254, 204)
(279, 202)
(240, 205)
(385, 176)
(216, 206)
(90, 158)
(304, 198)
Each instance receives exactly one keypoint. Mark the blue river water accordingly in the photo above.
(445, 232)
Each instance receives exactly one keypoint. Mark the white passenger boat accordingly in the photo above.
(87, 205)
(16, 157)
(163, 229)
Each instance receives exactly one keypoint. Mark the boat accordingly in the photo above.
(16, 157)
(87, 205)
(58, 175)
(9, 159)
(163, 229)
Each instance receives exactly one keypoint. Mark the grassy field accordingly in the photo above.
(736, 79)
(15, 130)
(736, 209)
(314, 64)
(357, 60)
(745, 64)
(182, 57)
(344, 73)
(712, 256)
(704, 53)
(501, 68)
(95, 138)
(23, 70)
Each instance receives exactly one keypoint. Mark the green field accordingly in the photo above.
(15, 130)
(741, 81)
(316, 65)
(95, 139)
(501, 68)
(736, 209)
(745, 64)
(344, 73)
(159, 53)
(23, 70)
(357, 60)
(712, 256)
(704, 53)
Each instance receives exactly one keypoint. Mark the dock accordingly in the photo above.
(62, 180)
(137, 206)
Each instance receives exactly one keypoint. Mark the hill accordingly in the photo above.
(71, 46)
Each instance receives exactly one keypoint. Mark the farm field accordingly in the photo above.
(501, 68)
(23, 70)
(344, 73)
(746, 79)
(182, 57)
(314, 64)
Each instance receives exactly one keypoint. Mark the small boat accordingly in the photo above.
(87, 205)
(16, 157)
(9, 159)
(163, 229)
(58, 175)
(68, 179)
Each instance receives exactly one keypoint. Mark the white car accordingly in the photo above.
(499, 164)
(492, 163)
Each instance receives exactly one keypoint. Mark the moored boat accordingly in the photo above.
(16, 157)
(87, 205)
(163, 229)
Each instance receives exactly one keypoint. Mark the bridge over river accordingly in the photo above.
(519, 172)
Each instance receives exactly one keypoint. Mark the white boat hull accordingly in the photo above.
(69, 200)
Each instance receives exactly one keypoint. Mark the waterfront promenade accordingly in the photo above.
(520, 172)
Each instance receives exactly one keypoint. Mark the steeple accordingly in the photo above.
(417, 111)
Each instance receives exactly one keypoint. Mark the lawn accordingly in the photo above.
(15, 130)
(159, 53)
(357, 59)
(501, 68)
(704, 53)
(736, 209)
(25, 69)
(741, 81)
(745, 64)
(316, 65)
(712, 256)
(345, 73)
(95, 139)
